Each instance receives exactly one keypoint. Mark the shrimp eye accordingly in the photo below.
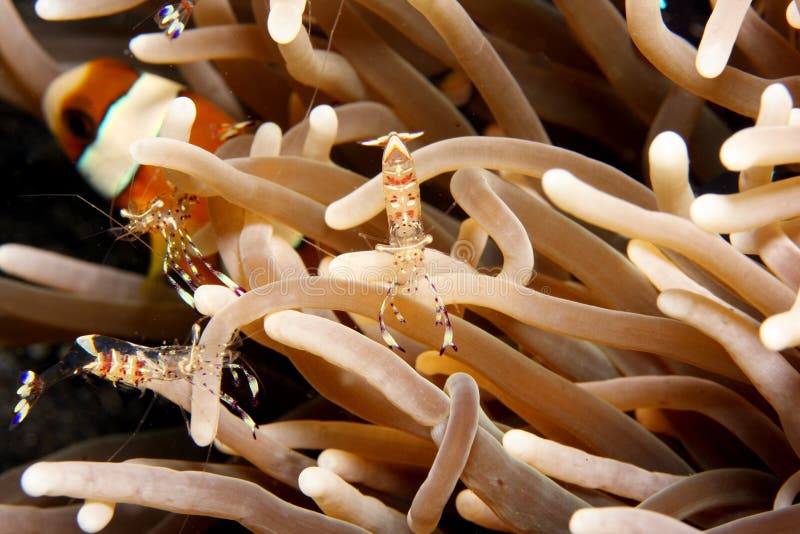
(79, 124)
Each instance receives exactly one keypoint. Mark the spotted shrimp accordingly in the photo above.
(407, 237)
(128, 364)
(182, 255)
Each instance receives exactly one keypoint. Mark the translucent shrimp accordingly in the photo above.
(229, 130)
(407, 238)
(182, 256)
(129, 364)
(172, 18)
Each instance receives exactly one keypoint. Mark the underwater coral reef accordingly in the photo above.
(570, 305)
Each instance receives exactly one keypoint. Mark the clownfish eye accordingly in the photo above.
(79, 124)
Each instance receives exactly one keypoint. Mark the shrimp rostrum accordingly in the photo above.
(128, 364)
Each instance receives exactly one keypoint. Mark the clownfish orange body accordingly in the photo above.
(96, 110)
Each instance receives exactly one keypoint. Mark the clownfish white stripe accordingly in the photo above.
(139, 113)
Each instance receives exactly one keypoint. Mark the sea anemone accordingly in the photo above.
(640, 376)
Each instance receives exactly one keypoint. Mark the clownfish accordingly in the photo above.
(96, 110)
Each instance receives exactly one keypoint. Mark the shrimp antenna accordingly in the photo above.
(327, 50)
(135, 430)
(108, 215)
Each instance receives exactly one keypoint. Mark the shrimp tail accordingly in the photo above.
(33, 385)
(29, 391)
